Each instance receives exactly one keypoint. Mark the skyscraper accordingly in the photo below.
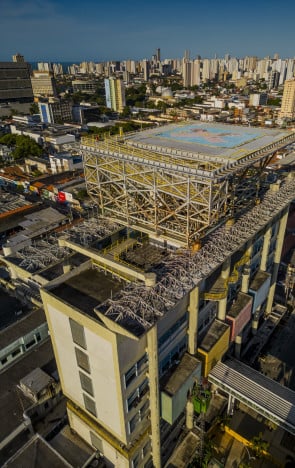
(288, 100)
(15, 82)
(115, 94)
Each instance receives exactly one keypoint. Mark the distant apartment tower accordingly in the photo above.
(15, 82)
(258, 99)
(43, 84)
(158, 55)
(288, 101)
(146, 70)
(84, 86)
(115, 94)
(55, 111)
(18, 58)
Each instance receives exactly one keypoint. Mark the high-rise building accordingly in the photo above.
(258, 99)
(18, 58)
(115, 94)
(43, 84)
(55, 111)
(288, 100)
(158, 55)
(181, 269)
(15, 82)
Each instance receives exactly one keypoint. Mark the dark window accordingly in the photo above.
(86, 383)
(89, 404)
(15, 353)
(82, 360)
(78, 334)
(96, 442)
(31, 343)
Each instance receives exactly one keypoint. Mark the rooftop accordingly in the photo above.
(242, 300)
(227, 142)
(214, 333)
(36, 380)
(12, 401)
(87, 290)
(20, 328)
(37, 452)
(258, 280)
(185, 368)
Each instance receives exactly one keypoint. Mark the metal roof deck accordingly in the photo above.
(266, 396)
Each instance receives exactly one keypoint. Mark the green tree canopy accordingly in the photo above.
(23, 145)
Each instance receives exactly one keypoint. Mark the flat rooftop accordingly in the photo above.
(258, 280)
(241, 302)
(227, 142)
(24, 324)
(88, 290)
(185, 368)
(214, 333)
(12, 401)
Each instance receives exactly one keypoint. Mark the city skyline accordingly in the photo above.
(69, 31)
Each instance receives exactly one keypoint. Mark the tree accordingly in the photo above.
(259, 446)
(23, 145)
(34, 109)
(8, 140)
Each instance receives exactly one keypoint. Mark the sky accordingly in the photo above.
(74, 31)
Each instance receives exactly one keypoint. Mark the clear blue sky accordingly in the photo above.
(71, 30)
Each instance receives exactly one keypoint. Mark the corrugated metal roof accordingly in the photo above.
(275, 399)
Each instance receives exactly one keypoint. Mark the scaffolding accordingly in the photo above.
(177, 195)
(181, 271)
(91, 230)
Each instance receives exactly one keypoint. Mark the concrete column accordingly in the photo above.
(238, 346)
(193, 312)
(255, 320)
(265, 249)
(230, 404)
(152, 345)
(66, 266)
(189, 415)
(246, 272)
(277, 258)
(223, 302)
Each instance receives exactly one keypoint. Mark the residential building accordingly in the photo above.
(288, 100)
(84, 86)
(115, 94)
(258, 99)
(43, 84)
(55, 111)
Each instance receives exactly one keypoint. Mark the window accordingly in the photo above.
(136, 460)
(130, 376)
(89, 404)
(15, 353)
(146, 449)
(96, 442)
(133, 422)
(136, 370)
(86, 383)
(82, 360)
(137, 395)
(31, 343)
(78, 334)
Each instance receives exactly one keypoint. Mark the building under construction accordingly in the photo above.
(185, 276)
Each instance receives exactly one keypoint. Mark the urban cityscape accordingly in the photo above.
(147, 262)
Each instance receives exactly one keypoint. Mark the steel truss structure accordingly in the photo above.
(41, 254)
(138, 306)
(176, 195)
